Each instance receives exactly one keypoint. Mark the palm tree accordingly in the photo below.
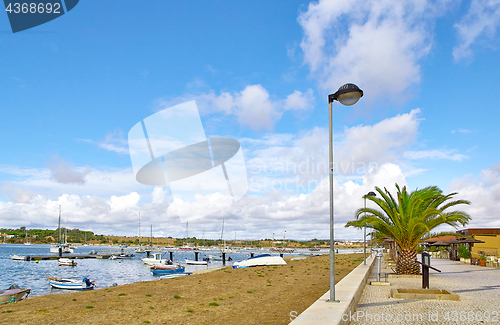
(409, 217)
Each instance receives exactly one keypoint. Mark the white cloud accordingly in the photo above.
(377, 144)
(461, 131)
(62, 172)
(16, 193)
(253, 106)
(120, 203)
(375, 44)
(435, 154)
(484, 194)
(482, 19)
(288, 188)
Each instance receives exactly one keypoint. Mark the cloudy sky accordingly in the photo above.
(260, 72)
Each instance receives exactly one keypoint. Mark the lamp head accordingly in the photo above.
(370, 194)
(347, 95)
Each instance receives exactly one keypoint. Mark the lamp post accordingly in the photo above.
(347, 95)
(364, 228)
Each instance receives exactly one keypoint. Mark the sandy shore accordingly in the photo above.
(260, 295)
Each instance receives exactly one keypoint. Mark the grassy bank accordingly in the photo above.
(260, 295)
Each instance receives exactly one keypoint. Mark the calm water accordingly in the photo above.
(103, 271)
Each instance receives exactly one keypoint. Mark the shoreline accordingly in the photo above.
(258, 295)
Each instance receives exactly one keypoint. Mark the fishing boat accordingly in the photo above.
(314, 249)
(71, 284)
(260, 260)
(13, 294)
(18, 257)
(66, 262)
(163, 271)
(155, 260)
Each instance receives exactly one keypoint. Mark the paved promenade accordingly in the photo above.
(478, 288)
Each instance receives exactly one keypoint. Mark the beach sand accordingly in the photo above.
(258, 295)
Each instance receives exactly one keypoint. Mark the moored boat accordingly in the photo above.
(13, 294)
(71, 284)
(162, 271)
(155, 260)
(260, 260)
(174, 275)
(18, 257)
(191, 262)
(66, 262)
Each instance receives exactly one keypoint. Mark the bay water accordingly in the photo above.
(105, 272)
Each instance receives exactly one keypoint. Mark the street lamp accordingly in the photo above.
(364, 228)
(347, 95)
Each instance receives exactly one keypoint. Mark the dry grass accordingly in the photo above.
(260, 295)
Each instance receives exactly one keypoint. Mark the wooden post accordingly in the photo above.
(223, 258)
(196, 256)
(172, 256)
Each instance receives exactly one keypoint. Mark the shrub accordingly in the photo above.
(463, 252)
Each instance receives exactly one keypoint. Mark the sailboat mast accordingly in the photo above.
(222, 233)
(139, 228)
(59, 226)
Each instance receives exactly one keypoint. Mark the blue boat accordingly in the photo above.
(167, 271)
(71, 284)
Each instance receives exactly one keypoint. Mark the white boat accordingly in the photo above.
(70, 284)
(18, 257)
(228, 250)
(215, 257)
(65, 249)
(155, 260)
(13, 294)
(259, 260)
(66, 262)
(191, 262)
(27, 241)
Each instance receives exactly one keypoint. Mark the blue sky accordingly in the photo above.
(260, 72)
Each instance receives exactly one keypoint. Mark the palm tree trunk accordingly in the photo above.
(405, 262)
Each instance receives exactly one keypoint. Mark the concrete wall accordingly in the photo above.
(348, 291)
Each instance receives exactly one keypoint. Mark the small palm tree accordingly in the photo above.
(409, 217)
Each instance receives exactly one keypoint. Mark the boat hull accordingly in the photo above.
(66, 262)
(175, 275)
(189, 262)
(167, 271)
(13, 295)
(260, 260)
(69, 284)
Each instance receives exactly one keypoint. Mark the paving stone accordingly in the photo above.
(478, 288)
